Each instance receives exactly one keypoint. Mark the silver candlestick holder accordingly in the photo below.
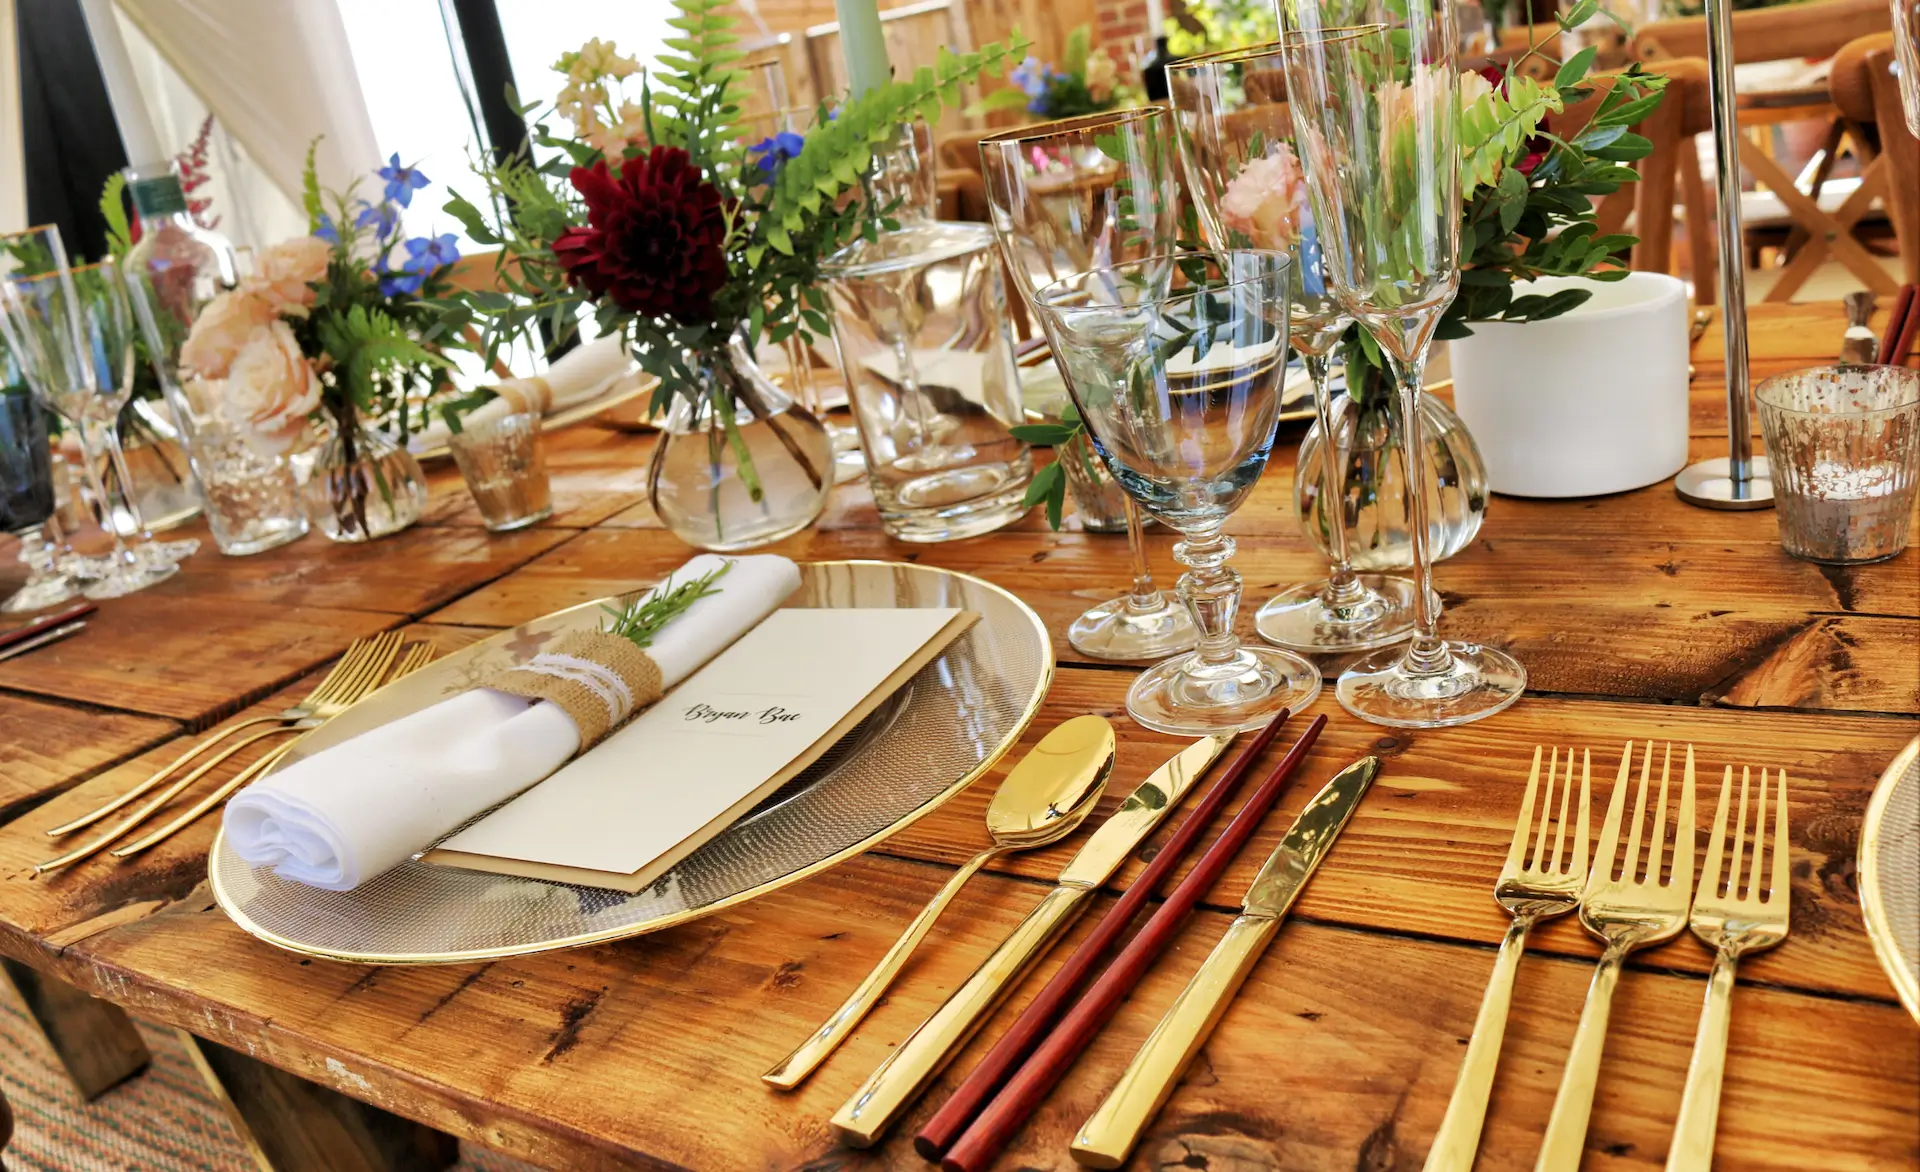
(1740, 479)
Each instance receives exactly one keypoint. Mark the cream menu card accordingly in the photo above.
(623, 813)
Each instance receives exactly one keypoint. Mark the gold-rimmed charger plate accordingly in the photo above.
(1890, 874)
(947, 727)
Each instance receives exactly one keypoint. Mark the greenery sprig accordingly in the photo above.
(642, 619)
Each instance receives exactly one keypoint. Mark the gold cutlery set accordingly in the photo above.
(366, 666)
(1648, 898)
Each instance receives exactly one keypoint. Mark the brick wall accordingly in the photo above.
(1119, 22)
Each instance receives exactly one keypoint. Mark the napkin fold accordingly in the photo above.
(348, 813)
(583, 373)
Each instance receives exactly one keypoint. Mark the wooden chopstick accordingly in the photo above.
(988, 1134)
(1028, 1029)
(1909, 329)
(1897, 320)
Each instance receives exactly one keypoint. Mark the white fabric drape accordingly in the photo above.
(13, 164)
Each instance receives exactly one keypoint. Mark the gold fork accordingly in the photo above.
(417, 656)
(1626, 913)
(1732, 923)
(346, 672)
(1539, 880)
(366, 675)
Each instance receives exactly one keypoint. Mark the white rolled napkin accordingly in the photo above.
(583, 373)
(342, 816)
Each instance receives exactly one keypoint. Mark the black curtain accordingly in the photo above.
(71, 142)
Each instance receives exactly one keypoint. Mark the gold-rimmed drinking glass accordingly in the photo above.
(1071, 197)
(1377, 108)
(1235, 134)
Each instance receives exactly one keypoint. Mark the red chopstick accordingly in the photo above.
(45, 622)
(1028, 1029)
(1896, 321)
(988, 1134)
(1909, 329)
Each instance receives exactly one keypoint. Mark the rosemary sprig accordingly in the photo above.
(640, 620)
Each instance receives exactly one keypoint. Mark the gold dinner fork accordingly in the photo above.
(326, 702)
(1627, 913)
(364, 655)
(1539, 880)
(1732, 922)
(416, 657)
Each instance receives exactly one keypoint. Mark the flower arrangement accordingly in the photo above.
(679, 226)
(1087, 82)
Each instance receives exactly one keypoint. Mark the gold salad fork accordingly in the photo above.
(1630, 912)
(363, 656)
(342, 687)
(1732, 922)
(1540, 879)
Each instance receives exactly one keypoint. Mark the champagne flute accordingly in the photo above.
(1176, 364)
(1235, 132)
(1070, 197)
(68, 344)
(1377, 108)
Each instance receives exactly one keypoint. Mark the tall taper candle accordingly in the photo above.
(123, 91)
(863, 43)
(1156, 18)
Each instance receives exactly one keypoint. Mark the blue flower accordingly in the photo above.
(775, 151)
(327, 230)
(402, 182)
(383, 218)
(429, 254)
(1031, 75)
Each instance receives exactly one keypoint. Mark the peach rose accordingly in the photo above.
(1267, 201)
(223, 327)
(270, 389)
(284, 276)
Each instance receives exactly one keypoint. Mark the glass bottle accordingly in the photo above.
(173, 251)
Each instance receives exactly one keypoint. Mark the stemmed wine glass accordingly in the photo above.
(26, 491)
(77, 353)
(1235, 133)
(1377, 121)
(1176, 364)
(1068, 197)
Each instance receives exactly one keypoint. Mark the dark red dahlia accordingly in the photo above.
(655, 238)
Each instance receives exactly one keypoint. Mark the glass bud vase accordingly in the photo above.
(1374, 493)
(362, 485)
(738, 464)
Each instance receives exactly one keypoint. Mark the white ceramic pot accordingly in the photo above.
(1590, 402)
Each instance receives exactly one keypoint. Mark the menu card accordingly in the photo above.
(644, 798)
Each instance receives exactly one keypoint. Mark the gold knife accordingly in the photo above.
(1110, 1133)
(866, 1116)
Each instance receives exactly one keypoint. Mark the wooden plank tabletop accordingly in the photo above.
(1636, 615)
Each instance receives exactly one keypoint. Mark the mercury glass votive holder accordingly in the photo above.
(501, 462)
(1844, 446)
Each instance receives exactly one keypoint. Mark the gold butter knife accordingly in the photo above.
(1110, 1133)
(898, 1081)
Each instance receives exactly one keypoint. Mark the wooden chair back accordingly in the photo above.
(1812, 31)
(1899, 155)
(915, 34)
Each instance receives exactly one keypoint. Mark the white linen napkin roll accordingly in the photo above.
(342, 816)
(581, 374)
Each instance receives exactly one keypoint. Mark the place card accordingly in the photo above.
(644, 798)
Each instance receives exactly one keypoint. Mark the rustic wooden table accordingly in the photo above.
(1636, 615)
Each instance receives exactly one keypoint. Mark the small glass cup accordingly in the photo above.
(501, 462)
(1844, 446)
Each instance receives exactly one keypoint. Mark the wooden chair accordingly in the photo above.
(915, 34)
(1865, 92)
(1810, 31)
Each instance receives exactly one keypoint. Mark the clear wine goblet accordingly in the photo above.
(1235, 133)
(1071, 197)
(1377, 121)
(67, 343)
(1176, 365)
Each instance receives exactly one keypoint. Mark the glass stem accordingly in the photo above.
(1426, 652)
(124, 477)
(90, 457)
(1211, 591)
(39, 554)
(1143, 596)
(1343, 588)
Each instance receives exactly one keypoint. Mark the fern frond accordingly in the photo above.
(113, 206)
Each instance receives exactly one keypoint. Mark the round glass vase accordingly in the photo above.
(362, 485)
(1375, 489)
(738, 464)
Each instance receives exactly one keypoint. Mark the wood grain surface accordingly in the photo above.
(1637, 616)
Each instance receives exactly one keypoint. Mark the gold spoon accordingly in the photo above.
(1049, 793)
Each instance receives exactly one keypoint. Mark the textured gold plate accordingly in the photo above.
(946, 728)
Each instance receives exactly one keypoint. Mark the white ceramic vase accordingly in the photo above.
(1593, 401)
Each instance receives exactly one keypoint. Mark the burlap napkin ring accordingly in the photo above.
(525, 396)
(597, 679)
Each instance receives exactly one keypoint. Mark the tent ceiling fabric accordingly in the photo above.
(276, 73)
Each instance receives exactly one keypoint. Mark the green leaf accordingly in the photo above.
(1575, 67)
(113, 206)
(1050, 435)
(471, 221)
(310, 189)
(1049, 485)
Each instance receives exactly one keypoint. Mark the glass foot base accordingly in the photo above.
(1117, 630)
(161, 555)
(1477, 682)
(49, 591)
(126, 580)
(1187, 698)
(1298, 619)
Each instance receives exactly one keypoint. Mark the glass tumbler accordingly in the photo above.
(500, 460)
(1844, 445)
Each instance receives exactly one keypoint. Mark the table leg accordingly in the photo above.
(292, 1125)
(95, 1040)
